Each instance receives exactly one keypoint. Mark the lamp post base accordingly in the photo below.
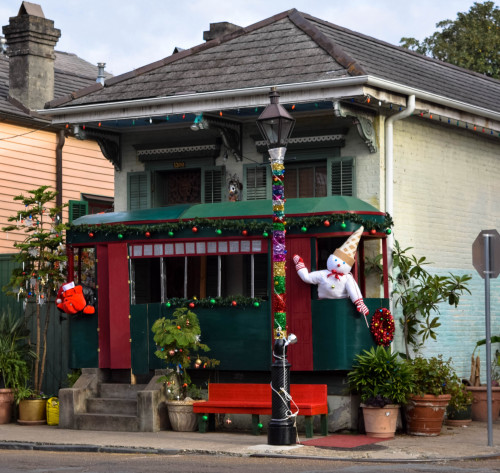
(281, 432)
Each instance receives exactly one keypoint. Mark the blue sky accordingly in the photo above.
(127, 34)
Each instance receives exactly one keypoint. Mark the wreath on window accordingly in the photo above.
(382, 327)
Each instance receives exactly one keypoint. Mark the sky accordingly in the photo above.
(127, 34)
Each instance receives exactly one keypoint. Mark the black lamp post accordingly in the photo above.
(276, 126)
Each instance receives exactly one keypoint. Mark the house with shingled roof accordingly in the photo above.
(403, 144)
(35, 152)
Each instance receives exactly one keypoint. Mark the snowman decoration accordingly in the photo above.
(336, 282)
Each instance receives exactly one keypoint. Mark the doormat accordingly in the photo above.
(342, 441)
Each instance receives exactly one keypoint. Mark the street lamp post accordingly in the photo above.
(276, 125)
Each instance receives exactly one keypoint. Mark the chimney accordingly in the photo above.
(31, 39)
(219, 29)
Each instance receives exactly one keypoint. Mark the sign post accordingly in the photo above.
(486, 260)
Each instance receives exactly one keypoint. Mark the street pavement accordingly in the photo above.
(454, 443)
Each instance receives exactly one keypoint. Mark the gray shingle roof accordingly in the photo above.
(71, 73)
(291, 47)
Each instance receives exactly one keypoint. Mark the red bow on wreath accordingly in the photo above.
(382, 327)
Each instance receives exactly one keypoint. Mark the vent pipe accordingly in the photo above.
(100, 72)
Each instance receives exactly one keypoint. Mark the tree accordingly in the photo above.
(42, 263)
(471, 41)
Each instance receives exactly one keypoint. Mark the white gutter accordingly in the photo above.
(389, 173)
(263, 91)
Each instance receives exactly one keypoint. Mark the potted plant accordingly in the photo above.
(479, 391)
(435, 380)
(31, 406)
(384, 383)
(178, 342)
(15, 354)
(459, 410)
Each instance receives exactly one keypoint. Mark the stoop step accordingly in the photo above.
(120, 390)
(110, 405)
(116, 422)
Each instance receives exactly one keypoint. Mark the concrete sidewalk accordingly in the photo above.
(453, 443)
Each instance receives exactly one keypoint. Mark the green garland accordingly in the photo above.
(227, 225)
(210, 302)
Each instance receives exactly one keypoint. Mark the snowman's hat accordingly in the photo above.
(347, 251)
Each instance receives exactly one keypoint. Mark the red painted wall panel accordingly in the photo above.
(299, 319)
(103, 305)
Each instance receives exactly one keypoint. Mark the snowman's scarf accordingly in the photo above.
(336, 274)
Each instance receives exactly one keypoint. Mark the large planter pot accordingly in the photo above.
(480, 403)
(6, 403)
(380, 422)
(458, 418)
(425, 414)
(181, 416)
(32, 412)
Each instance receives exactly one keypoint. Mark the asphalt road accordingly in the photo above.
(15, 461)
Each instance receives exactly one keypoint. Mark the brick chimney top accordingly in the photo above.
(31, 39)
(219, 29)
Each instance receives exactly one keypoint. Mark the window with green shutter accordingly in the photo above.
(77, 208)
(138, 190)
(341, 176)
(212, 185)
(256, 179)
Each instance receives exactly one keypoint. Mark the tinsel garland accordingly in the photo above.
(253, 227)
(382, 327)
(209, 302)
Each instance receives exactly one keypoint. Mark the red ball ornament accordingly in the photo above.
(91, 235)
(326, 223)
(147, 234)
(244, 232)
(373, 231)
(194, 229)
(191, 305)
(234, 303)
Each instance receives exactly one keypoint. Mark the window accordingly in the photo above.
(77, 208)
(256, 187)
(84, 261)
(179, 272)
(342, 176)
(138, 189)
(305, 180)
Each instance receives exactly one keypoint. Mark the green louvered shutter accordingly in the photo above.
(138, 191)
(342, 176)
(256, 182)
(77, 208)
(212, 185)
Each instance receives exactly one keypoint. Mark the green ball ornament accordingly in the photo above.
(388, 231)
(205, 417)
(168, 304)
(120, 236)
(303, 229)
(170, 234)
(343, 225)
(259, 425)
(256, 304)
(265, 234)
(218, 231)
(212, 301)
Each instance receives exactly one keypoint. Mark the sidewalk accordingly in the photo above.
(453, 443)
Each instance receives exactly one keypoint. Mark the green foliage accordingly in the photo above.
(381, 378)
(433, 375)
(460, 397)
(178, 343)
(41, 261)
(72, 378)
(471, 41)
(419, 294)
(15, 351)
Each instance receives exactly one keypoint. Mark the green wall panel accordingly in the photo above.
(84, 341)
(340, 332)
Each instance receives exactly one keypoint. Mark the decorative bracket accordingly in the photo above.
(363, 123)
(107, 141)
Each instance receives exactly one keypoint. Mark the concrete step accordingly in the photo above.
(113, 422)
(102, 405)
(120, 390)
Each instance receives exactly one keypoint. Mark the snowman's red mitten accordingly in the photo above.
(361, 307)
(299, 262)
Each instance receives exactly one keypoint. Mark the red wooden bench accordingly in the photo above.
(255, 399)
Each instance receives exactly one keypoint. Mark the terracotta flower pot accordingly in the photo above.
(458, 418)
(6, 403)
(380, 422)
(425, 414)
(480, 403)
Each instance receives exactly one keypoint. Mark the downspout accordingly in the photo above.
(389, 174)
(59, 168)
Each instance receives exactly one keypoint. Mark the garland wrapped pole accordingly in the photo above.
(276, 126)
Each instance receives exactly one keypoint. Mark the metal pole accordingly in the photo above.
(488, 334)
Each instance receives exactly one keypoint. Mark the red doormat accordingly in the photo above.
(342, 441)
